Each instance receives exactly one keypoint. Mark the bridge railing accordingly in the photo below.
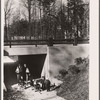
(49, 42)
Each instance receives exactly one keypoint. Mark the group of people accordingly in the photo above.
(23, 78)
(41, 84)
(23, 74)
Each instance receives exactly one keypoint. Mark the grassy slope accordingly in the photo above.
(76, 87)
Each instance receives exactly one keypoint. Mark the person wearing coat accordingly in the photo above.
(18, 73)
(27, 74)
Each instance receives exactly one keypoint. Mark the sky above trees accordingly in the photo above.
(55, 16)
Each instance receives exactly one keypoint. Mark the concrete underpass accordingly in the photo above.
(59, 57)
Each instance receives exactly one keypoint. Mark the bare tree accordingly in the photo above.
(28, 4)
(8, 9)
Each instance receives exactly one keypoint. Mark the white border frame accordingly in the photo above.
(94, 50)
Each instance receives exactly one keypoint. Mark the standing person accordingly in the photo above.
(47, 84)
(27, 74)
(18, 72)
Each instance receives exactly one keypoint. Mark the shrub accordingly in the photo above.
(73, 69)
(79, 61)
(63, 72)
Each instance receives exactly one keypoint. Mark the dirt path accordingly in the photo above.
(30, 94)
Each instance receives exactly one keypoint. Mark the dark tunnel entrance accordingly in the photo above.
(34, 63)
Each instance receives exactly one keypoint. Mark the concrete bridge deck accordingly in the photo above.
(26, 49)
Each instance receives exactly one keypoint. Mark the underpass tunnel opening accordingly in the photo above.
(34, 63)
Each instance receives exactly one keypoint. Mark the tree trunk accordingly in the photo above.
(41, 23)
(5, 35)
(29, 17)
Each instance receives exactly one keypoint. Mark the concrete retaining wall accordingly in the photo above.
(62, 56)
